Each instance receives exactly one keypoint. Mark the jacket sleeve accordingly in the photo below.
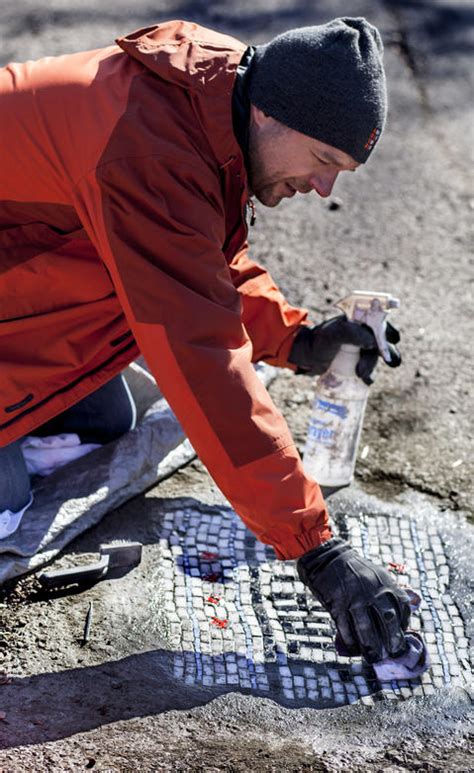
(158, 229)
(269, 320)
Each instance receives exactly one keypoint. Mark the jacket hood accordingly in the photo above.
(203, 62)
(186, 54)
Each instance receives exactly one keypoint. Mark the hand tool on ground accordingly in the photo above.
(112, 556)
(88, 623)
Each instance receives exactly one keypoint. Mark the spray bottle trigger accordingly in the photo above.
(370, 308)
(375, 319)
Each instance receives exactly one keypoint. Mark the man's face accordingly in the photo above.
(284, 162)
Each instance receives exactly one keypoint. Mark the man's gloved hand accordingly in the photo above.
(370, 610)
(314, 348)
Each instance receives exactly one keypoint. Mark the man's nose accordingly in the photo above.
(323, 182)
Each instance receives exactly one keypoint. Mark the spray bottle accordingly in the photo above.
(341, 396)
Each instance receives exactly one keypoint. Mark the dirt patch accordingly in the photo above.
(404, 449)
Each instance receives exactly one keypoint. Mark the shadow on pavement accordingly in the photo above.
(447, 22)
(235, 19)
(446, 27)
(50, 706)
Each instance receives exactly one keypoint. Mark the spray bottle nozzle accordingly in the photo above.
(371, 309)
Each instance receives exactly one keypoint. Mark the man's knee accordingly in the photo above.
(15, 491)
(105, 415)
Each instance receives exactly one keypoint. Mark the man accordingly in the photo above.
(123, 191)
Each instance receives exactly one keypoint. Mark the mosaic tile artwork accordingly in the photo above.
(238, 618)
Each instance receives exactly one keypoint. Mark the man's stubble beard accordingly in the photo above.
(260, 185)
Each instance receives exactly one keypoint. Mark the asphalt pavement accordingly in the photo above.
(133, 699)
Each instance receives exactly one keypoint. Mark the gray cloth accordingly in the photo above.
(327, 82)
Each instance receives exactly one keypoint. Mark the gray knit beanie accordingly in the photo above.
(327, 82)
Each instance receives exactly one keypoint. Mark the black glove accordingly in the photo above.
(314, 348)
(370, 610)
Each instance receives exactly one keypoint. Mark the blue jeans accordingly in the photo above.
(101, 417)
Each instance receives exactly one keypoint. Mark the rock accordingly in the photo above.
(334, 204)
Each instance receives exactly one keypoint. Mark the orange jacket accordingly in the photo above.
(122, 230)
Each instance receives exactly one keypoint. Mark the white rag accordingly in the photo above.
(414, 662)
(9, 522)
(44, 455)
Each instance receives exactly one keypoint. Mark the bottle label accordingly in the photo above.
(324, 431)
(333, 435)
(320, 432)
(333, 408)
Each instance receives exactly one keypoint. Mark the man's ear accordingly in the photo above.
(258, 117)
